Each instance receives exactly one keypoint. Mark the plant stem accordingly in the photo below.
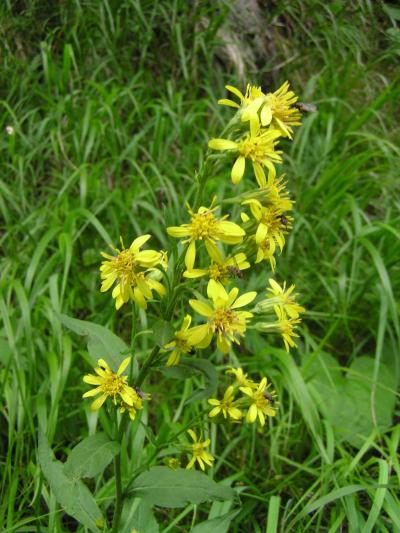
(118, 481)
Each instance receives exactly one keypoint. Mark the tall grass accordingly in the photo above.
(112, 104)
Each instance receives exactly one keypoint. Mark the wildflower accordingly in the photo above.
(241, 378)
(221, 270)
(110, 385)
(271, 225)
(250, 103)
(225, 406)
(260, 405)
(266, 251)
(223, 318)
(277, 108)
(281, 110)
(130, 270)
(285, 326)
(10, 130)
(284, 299)
(199, 453)
(183, 342)
(132, 409)
(259, 148)
(205, 226)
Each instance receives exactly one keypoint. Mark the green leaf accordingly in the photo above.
(102, 343)
(210, 375)
(91, 456)
(72, 495)
(346, 400)
(220, 524)
(164, 487)
(138, 514)
(163, 332)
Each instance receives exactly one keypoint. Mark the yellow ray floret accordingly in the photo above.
(131, 270)
(223, 318)
(110, 385)
(198, 451)
(205, 226)
(257, 147)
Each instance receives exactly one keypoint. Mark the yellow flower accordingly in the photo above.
(284, 299)
(225, 406)
(205, 226)
(223, 318)
(129, 270)
(284, 325)
(271, 224)
(183, 342)
(259, 148)
(110, 384)
(277, 108)
(221, 270)
(282, 112)
(286, 328)
(266, 251)
(241, 378)
(199, 453)
(260, 402)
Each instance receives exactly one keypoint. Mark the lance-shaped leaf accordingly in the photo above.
(73, 496)
(91, 456)
(165, 487)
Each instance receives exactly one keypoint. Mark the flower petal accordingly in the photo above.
(138, 243)
(123, 365)
(98, 402)
(238, 170)
(201, 307)
(222, 144)
(190, 256)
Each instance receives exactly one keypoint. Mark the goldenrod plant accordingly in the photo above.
(194, 306)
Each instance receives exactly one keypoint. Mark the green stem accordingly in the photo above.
(118, 480)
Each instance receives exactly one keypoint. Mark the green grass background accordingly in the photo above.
(112, 103)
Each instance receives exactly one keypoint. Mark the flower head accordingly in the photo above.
(241, 378)
(284, 299)
(130, 269)
(205, 226)
(259, 148)
(226, 406)
(184, 341)
(281, 110)
(198, 451)
(277, 108)
(261, 402)
(110, 385)
(223, 318)
(221, 270)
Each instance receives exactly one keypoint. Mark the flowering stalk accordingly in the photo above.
(219, 250)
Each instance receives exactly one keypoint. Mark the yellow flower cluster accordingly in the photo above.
(221, 251)
(271, 116)
(255, 400)
(114, 385)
